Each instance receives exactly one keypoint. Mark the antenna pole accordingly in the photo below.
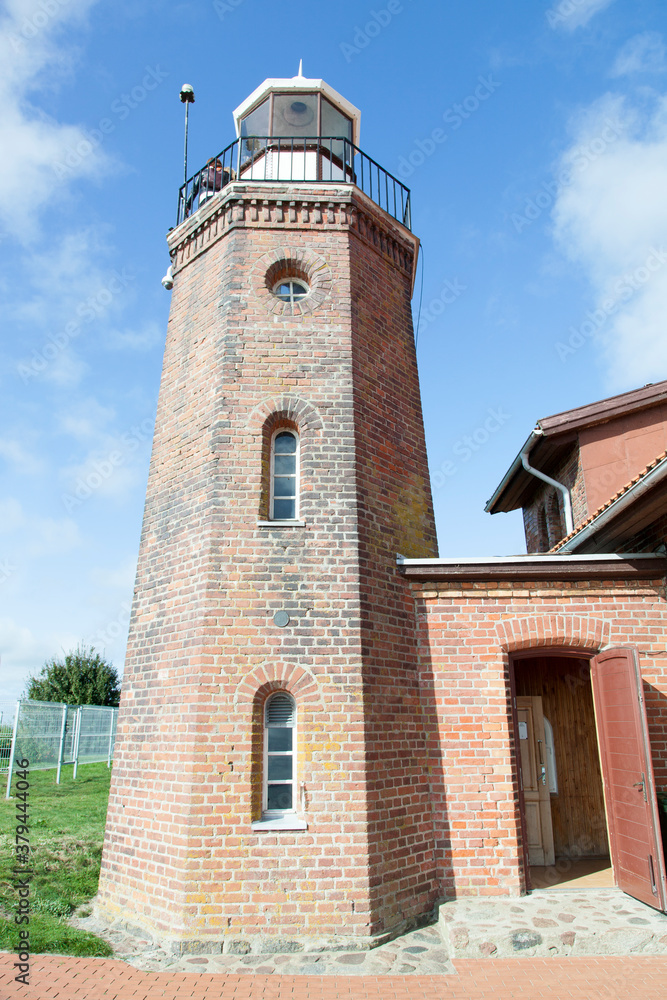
(185, 152)
(187, 96)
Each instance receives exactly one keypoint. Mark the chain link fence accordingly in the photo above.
(50, 735)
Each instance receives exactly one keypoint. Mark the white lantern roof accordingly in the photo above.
(298, 85)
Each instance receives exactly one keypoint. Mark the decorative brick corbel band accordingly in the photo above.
(297, 208)
(539, 631)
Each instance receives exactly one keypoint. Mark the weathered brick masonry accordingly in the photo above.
(468, 631)
(180, 856)
(407, 787)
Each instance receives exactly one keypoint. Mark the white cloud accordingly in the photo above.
(32, 142)
(11, 515)
(72, 297)
(109, 469)
(572, 14)
(121, 578)
(67, 282)
(87, 420)
(23, 654)
(14, 452)
(50, 537)
(644, 53)
(611, 219)
(140, 339)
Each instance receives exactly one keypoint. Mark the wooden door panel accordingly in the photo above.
(627, 772)
(537, 801)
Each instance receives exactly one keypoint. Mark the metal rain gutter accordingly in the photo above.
(564, 492)
(513, 469)
(652, 478)
(543, 557)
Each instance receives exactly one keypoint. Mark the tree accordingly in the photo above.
(83, 677)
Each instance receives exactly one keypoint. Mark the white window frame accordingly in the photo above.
(295, 434)
(291, 298)
(279, 813)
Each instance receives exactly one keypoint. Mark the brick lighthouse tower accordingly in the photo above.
(271, 777)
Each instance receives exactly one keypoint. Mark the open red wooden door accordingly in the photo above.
(627, 773)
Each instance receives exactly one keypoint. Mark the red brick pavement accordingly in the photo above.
(56, 977)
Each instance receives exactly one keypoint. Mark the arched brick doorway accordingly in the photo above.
(562, 801)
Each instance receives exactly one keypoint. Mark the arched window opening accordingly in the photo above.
(284, 476)
(279, 755)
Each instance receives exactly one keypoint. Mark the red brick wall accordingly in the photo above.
(468, 632)
(180, 856)
(393, 489)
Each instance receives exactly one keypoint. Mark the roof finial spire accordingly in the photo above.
(300, 73)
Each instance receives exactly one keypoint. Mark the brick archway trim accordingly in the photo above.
(577, 631)
(292, 261)
(277, 676)
(303, 413)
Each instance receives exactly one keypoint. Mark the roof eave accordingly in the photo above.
(654, 477)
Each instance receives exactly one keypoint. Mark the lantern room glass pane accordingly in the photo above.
(334, 122)
(294, 114)
(257, 122)
(279, 797)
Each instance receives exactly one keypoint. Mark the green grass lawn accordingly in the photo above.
(66, 824)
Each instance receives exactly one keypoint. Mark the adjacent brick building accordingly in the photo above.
(317, 739)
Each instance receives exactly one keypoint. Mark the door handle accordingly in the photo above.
(542, 765)
(641, 784)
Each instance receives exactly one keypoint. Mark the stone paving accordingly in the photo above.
(557, 923)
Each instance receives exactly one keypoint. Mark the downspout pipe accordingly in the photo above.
(563, 490)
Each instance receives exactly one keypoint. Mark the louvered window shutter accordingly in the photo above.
(280, 711)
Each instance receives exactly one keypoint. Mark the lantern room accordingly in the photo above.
(296, 129)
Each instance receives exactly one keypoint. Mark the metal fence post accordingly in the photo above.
(62, 744)
(77, 734)
(111, 740)
(13, 749)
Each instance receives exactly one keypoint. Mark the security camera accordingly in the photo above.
(168, 280)
(187, 94)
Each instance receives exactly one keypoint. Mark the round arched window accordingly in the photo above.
(291, 289)
(279, 747)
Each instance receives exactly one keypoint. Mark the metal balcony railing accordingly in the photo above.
(324, 160)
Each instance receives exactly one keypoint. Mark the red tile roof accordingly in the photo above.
(625, 489)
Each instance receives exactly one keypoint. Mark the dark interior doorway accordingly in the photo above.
(564, 771)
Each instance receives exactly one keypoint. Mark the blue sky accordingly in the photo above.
(533, 137)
